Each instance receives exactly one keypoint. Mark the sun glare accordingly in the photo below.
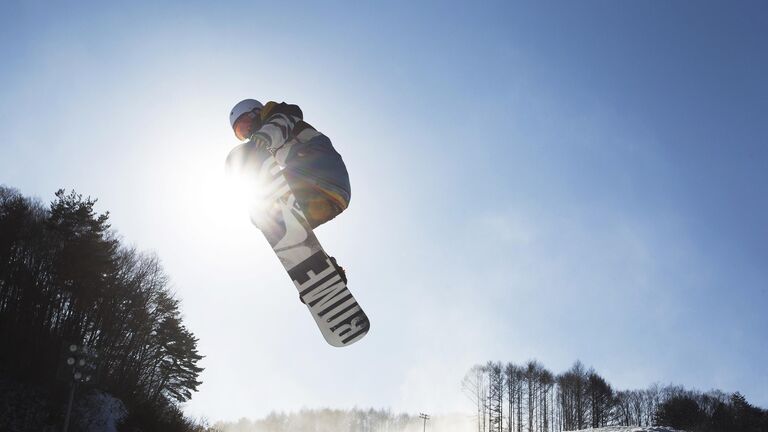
(211, 200)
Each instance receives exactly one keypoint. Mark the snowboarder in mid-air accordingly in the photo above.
(314, 170)
(296, 182)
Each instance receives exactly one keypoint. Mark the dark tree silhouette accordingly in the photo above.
(601, 400)
(680, 412)
(64, 276)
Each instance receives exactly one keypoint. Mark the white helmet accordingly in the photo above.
(242, 107)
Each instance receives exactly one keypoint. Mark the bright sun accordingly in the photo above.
(209, 198)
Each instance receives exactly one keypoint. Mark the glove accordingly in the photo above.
(259, 140)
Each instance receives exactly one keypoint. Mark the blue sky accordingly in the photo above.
(560, 181)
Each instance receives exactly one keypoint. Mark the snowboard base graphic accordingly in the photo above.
(321, 288)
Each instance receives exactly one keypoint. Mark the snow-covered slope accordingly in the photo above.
(631, 429)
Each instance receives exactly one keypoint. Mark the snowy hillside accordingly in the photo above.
(631, 429)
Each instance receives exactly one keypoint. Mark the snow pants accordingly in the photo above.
(317, 176)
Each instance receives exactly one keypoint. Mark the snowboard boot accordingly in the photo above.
(339, 269)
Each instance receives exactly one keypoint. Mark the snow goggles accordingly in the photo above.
(244, 124)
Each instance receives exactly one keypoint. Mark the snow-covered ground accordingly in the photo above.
(631, 429)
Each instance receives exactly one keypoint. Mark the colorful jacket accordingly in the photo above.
(280, 123)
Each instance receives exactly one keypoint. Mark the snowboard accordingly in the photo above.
(321, 288)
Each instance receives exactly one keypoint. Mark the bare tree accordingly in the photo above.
(546, 382)
(514, 382)
(475, 387)
(496, 392)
